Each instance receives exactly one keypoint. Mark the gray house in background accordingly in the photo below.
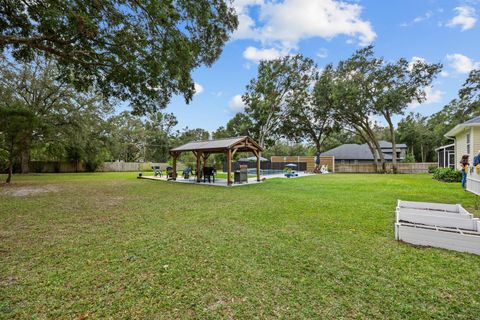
(360, 153)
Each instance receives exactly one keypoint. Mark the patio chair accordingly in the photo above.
(209, 173)
(186, 173)
(157, 171)
(169, 173)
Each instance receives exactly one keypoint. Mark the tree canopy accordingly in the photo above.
(141, 51)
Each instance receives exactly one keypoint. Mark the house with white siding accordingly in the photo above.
(467, 142)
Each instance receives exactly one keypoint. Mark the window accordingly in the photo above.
(468, 143)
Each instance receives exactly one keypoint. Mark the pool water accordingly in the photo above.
(265, 172)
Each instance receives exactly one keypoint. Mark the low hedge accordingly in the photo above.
(447, 175)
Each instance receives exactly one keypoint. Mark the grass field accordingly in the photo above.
(109, 245)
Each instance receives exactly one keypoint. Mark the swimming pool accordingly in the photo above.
(264, 172)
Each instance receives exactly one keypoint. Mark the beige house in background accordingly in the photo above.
(467, 142)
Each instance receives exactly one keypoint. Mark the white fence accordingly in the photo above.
(473, 182)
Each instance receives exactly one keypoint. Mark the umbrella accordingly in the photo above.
(251, 159)
(291, 165)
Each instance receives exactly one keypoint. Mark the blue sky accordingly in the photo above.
(446, 31)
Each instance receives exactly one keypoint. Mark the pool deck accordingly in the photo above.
(220, 182)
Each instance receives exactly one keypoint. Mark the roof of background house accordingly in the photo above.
(458, 128)
(352, 152)
(388, 145)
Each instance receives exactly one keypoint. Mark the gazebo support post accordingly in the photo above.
(199, 155)
(174, 173)
(229, 166)
(204, 158)
(257, 154)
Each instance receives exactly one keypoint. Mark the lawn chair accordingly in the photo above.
(209, 173)
(157, 171)
(186, 173)
(169, 173)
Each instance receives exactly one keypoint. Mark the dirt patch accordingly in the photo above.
(8, 281)
(24, 191)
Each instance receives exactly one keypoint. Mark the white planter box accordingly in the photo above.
(460, 215)
(439, 220)
(430, 206)
(437, 225)
(438, 237)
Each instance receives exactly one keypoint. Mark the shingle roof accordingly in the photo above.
(211, 144)
(361, 151)
(388, 145)
(352, 152)
(474, 120)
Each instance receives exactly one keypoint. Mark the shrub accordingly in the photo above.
(409, 158)
(432, 169)
(447, 175)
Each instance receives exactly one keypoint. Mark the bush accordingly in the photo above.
(447, 175)
(409, 158)
(432, 169)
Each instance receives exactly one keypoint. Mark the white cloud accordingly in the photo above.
(431, 96)
(322, 53)
(254, 54)
(461, 63)
(445, 74)
(466, 18)
(198, 88)
(418, 19)
(285, 23)
(236, 104)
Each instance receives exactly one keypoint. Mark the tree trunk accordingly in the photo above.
(261, 140)
(374, 153)
(363, 132)
(11, 157)
(380, 155)
(317, 146)
(422, 153)
(394, 145)
(25, 156)
(10, 171)
(376, 145)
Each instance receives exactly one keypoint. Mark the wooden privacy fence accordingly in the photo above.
(56, 166)
(67, 166)
(132, 166)
(370, 167)
(329, 161)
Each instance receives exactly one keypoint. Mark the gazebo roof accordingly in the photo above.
(244, 143)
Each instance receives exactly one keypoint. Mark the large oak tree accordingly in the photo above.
(141, 51)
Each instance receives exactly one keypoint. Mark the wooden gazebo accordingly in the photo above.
(203, 149)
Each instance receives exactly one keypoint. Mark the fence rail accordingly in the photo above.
(372, 168)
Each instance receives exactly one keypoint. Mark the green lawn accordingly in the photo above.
(109, 245)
